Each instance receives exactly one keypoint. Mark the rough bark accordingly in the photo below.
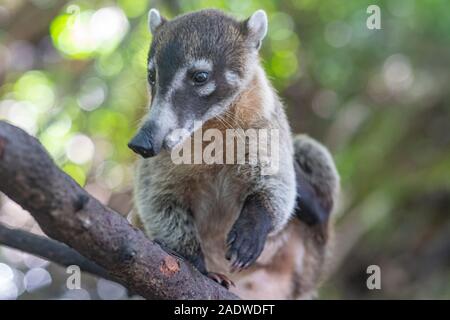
(48, 249)
(67, 213)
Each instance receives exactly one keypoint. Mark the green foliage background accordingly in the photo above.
(74, 75)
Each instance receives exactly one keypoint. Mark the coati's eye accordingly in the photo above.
(151, 77)
(200, 77)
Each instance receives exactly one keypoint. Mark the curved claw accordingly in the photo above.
(221, 279)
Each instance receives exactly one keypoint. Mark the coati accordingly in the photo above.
(266, 234)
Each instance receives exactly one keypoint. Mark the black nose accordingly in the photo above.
(141, 144)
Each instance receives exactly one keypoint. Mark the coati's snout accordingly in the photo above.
(142, 144)
(160, 131)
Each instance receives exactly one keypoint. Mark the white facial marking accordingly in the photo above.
(151, 65)
(207, 89)
(162, 109)
(165, 116)
(174, 138)
(202, 64)
(232, 78)
(177, 82)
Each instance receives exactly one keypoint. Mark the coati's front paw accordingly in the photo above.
(246, 242)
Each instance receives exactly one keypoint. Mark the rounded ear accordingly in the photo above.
(257, 26)
(155, 20)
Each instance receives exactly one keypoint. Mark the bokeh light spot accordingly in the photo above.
(80, 149)
(81, 35)
(93, 94)
(36, 279)
(397, 73)
(8, 288)
(108, 290)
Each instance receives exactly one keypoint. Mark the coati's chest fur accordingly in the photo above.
(215, 195)
(216, 205)
(218, 200)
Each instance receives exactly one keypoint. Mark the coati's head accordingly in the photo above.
(197, 65)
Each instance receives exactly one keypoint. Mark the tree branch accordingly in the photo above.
(48, 249)
(69, 214)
